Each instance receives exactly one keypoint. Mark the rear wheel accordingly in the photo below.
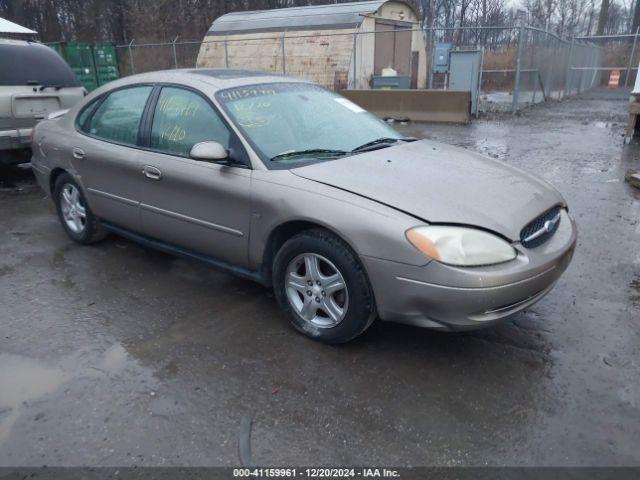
(74, 213)
(321, 285)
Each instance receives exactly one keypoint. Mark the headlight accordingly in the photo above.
(460, 246)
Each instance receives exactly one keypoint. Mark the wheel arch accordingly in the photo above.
(283, 232)
(53, 177)
(55, 174)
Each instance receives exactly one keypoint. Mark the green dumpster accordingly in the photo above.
(79, 56)
(93, 64)
(106, 62)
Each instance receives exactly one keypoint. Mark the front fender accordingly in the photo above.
(371, 229)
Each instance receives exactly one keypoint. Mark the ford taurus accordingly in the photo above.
(285, 183)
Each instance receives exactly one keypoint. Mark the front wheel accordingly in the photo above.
(321, 285)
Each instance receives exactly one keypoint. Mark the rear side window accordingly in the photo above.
(117, 119)
(183, 118)
(28, 63)
(84, 115)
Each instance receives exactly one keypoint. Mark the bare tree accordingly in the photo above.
(603, 17)
(162, 20)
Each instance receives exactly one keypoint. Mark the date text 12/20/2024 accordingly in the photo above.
(315, 473)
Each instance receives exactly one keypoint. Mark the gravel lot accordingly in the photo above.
(117, 355)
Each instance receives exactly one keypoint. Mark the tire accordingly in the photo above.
(341, 314)
(78, 222)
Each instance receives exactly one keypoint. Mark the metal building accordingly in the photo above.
(13, 30)
(338, 45)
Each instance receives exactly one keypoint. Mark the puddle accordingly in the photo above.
(25, 380)
(114, 359)
(165, 407)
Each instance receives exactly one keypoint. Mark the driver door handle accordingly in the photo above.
(78, 153)
(152, 172)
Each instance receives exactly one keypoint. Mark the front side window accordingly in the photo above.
(183, 118)
(117, 119)
(285, 118)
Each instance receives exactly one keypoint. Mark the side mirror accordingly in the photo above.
(212, 151)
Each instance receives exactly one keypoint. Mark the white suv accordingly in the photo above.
(34, 82)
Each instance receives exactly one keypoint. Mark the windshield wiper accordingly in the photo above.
(381, 143)
(311, 151)
(55, 87)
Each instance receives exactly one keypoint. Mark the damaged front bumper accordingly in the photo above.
(456, 298)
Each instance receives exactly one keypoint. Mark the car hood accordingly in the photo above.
(439, 183)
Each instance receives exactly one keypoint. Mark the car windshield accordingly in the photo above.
(298, 122)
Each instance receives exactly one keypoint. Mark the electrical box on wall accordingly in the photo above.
(441, 57)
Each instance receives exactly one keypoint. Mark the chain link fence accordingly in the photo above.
(521, 66)
(618, 52)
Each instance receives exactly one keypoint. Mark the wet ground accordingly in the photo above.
(117, 355)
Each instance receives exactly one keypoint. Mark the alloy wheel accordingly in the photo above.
(316, 290)
(73, 210)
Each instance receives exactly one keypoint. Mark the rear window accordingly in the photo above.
(25, 63)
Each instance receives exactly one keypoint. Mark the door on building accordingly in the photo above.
(465, 74)
(392, 47)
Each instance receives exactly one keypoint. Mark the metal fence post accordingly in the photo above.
(284, 58)
(598, 63)
(633, 51)
(516, 85)
(567, 81)
(355, 48)
(133, 68)
(175, 56)
(226, 51)
(580, 64)
(549, 76)
(431, 54)
(535, 69)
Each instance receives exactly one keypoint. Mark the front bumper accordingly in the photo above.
(453, 298)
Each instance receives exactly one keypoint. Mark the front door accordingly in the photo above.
(392, 48)
(194, 204)
(105, 158)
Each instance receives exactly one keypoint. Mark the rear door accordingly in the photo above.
(198, 205)
(105, 152)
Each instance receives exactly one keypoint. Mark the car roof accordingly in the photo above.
(219, 78)
(17, 41)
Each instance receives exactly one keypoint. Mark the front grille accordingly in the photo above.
(541, 228)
